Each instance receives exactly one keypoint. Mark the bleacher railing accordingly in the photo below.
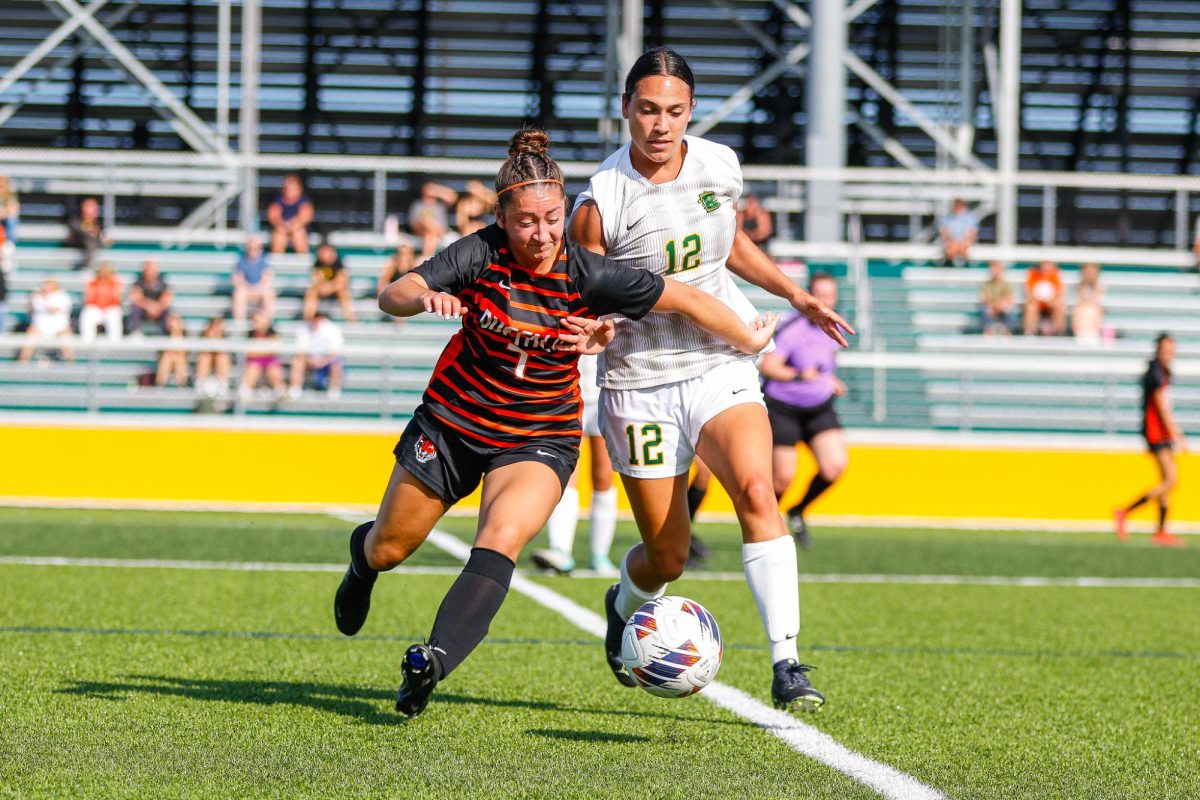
(1088, 391)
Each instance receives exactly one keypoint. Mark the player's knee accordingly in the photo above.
(756, 495)
(668, 563)
(834, 469)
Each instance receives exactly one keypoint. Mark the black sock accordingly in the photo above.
(815, 489)
(469, 607)
(1162, 515)
(358, 552)
(695, 497)
(1141, 501)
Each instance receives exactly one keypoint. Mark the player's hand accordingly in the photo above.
(762, 328)
(585, 336)
(825, 318)
(810, 373)
(446, 306)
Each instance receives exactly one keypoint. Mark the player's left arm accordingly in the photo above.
(751, 264)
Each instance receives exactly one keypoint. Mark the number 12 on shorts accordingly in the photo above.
(651, 438)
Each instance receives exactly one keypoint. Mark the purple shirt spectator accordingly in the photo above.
(804, 346)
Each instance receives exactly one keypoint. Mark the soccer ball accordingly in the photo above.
(672, 647)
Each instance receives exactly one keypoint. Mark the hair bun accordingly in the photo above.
(529, 141)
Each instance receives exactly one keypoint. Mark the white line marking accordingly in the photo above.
(801, 737)
(919, 580)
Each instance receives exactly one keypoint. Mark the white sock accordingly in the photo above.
(563, 520)
(771, 574)
(630, 597)
(604, 521)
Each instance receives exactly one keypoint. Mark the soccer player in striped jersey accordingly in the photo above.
(666, 203)
(502, 406)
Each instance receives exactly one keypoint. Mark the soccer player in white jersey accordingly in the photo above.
(665, 202)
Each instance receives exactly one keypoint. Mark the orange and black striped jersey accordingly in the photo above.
(500, 380)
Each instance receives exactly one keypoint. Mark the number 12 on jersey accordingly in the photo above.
(651, 439)
(683, 255)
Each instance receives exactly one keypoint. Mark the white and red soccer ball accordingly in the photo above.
(672, 646)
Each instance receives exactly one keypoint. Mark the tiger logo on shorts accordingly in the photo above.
(426, 450)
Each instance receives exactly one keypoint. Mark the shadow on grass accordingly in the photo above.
(370, 706)
(588, 736)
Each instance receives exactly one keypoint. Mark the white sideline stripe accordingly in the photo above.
(803, 738)
(924, 580)
(232, 566)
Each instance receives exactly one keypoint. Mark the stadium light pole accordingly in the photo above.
(825, 144)
(248, 117)
(1008, 127)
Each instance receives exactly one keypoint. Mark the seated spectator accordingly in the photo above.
(329, 279)
(260, 365)
(214, 367)
(474, 208)
(1045, 300)
(49, 315)
(3, 296)
(319, 343)
(85, 233)
(10, 212)
(399, 264)
(253, 281)
(290, 213)
(173, 363)
(150, 301)
(997, 302)
(1196, 247)
(429, 216)
(959, 229)
(102, 305)
(755, 220)
(1087, 320)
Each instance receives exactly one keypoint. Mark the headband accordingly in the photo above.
(526, 183)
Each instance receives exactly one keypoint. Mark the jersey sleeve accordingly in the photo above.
(458, 265)
(1154, 378)
(609, 288)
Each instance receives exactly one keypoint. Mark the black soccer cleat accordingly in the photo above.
(698, 552)
(799, 529)
(791, 687)
(612, 638)
(420, 670)
(353, 599)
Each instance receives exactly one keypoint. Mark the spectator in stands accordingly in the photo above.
(1087, 320)
(172, 363)
(3, 301)
(49, 315)
(290, 214)
(85, 233)
(10, 211)
(959, 230)
(253, 281)
(149, 300)
(319, 342)
(474, 208)
(259, 364)
(429, 216)
(997, 302)
(755, 220)
(102, 305)
(1196, 247)
(213, 367)
(329, 279)
(1045, 300)
(400, 264)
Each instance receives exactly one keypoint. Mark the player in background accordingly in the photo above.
(1162, 436)
(800, 388)
(666, 203)
(502, 405)
(565, 518)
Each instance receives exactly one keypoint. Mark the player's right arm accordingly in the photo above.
(587, 227)
(432, 287)
(411, 295)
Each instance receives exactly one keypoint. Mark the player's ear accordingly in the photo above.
(499, 214)
(624, 105)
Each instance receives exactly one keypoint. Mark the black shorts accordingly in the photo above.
(791, 424)
(1157, 447)
(452, 464)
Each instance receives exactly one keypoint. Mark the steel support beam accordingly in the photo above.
(224, 40)
(749, 89)
(825, 145)
(248, 119)
(630, 46)
(610, 119)
(1008, 127)
(34, 56)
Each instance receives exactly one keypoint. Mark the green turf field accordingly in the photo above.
(135, 682)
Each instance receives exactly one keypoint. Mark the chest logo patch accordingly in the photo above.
(709, 201)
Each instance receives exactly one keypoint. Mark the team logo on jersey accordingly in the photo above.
(425, 449)
(709, 201)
